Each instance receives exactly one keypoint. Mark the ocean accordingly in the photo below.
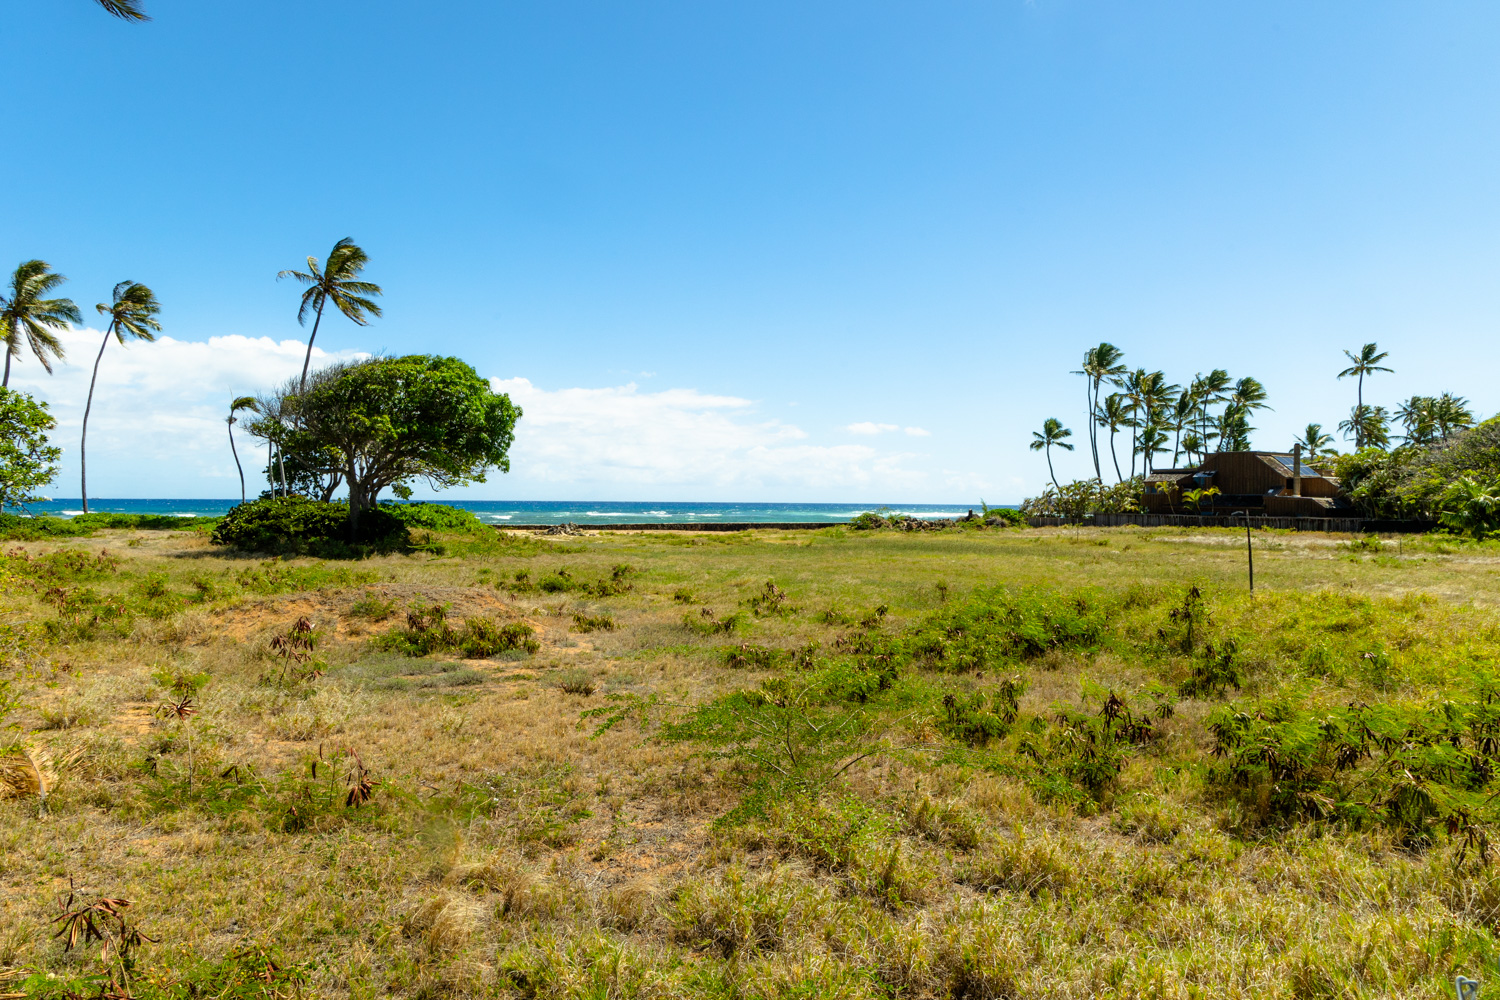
(556, 511)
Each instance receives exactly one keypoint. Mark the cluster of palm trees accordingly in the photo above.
(32, 315)
(1213, 412)
(31, 319)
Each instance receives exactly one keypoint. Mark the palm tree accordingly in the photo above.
(132, 311)
(240, 403)
(1153, 442)
(1114, 415)
(338, 280)
(1419, 416)
(1247, 396)
(25, 311)
(1314, 441)
(1099, 364)
(1369, 424)
(1452, 413)
(1052, 433)
(125, 10)
(1208, 390)
(1366, 362)
(1182, 411)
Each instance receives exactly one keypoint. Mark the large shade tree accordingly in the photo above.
(29, 318)
(132, 312)
(337, 281)
(392, 421)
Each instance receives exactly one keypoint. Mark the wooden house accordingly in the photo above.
(1277, 484)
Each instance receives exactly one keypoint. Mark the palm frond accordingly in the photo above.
(125, 10)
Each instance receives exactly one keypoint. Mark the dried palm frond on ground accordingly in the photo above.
(25, 772)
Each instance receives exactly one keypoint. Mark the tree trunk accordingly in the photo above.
(233, 451)
(83, 470)
(6, 383)
(302, 386)
(1049, 469)
(1359, 413)
(1114, 457)
(1093, 426)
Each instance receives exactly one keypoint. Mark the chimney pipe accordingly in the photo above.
(1297, 470)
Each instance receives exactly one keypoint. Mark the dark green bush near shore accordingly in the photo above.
(436, 517)
(297, 525)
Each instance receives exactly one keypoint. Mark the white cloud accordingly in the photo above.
(157, 425)
(918, 432)
(679, 438)
(868, 428)
(157, 429)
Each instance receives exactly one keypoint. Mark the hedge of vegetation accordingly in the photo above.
(17, 527)
(297, 525)
(1456, 483)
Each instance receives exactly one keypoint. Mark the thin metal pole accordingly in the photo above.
(1249, 550)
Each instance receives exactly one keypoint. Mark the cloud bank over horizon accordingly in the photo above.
(157, 430)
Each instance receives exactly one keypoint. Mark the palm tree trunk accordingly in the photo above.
(1094, 427)
(1049, 471)
(1114, 457)
(302, 387)
(83, 464)
(6, 383)
(235, 452)
(1359, 412)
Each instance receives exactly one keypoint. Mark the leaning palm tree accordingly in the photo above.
(27, 315)
(338, 281)
(1208, 390)
(132, 311)
(240, 403)
(1052, 433)
(125, 10)
(1366, 362)
(1113, 415)
(1100, 364)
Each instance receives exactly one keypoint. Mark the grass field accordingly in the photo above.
(970, 764)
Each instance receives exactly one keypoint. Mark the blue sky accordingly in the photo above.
(780, 251)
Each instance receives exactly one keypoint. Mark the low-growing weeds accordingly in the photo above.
(705, 622)
(593, 623)
(428, 630)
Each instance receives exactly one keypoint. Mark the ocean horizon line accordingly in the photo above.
(500, 512)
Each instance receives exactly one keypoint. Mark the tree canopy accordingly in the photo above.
(27, 461)
(389, 421)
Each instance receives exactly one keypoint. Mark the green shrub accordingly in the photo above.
(295, 525)
(429, 631)
(436, 517)
(19, 528)
(996, 626)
